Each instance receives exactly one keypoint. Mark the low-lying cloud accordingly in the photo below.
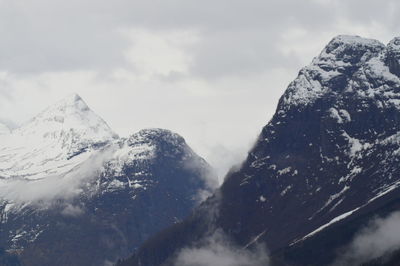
(219, 250)
(380, 238)
(55, 187)
(72, 210)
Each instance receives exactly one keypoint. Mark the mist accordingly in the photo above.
(55, 187)
(379, 238)
(217, 249)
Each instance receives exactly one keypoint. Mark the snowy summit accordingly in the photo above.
(345, 56)
(53, 141)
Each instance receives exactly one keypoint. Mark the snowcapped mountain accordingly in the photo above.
(53, 142)
(68, 182)
(326, 163)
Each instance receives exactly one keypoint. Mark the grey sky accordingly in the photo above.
(210, 70)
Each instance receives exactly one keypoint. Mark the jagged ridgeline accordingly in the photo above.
(326, 163)
(74, 193)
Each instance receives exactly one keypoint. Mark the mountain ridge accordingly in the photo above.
(81, 195)
(329, 152)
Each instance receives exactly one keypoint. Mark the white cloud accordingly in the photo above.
(72, 210)
(162, 54)
(55, 187)
(379, 238)
(218, 250)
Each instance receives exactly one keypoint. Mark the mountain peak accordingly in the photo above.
(344, 39)
(70, 123)
(73, 97)
(347, 49)
(72, 101)
(158, 134)
(161, 141)
(342, 60)
(54, 140)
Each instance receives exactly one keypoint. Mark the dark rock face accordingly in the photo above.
(7, 259)
(393, 56)
(153, 185)
(329, 156)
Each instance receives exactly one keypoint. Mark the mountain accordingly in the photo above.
(321, 169)
(54, 141)
(74, 193)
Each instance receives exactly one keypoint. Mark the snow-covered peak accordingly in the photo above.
(343, 58)
(352, 41)
(54, 141)
(154, 142)
(345, 50)
(72, 101)
(70, 122)
(156, 134)
(150, 144)
(70, 105)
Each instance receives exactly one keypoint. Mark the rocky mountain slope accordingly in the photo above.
(73, 193)
(326, 163)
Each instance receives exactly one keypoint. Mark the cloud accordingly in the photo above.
(159, 54)
(226, 158)
(379, 238)
(55, 36)
(219, 250)
(206, 173)
(234, 37)
(72, 210)
(45, 191)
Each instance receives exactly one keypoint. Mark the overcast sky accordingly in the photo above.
(211, 70)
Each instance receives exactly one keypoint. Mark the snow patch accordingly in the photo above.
(283, 192)
(335, 114)
(284, 171)
(334, 220)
